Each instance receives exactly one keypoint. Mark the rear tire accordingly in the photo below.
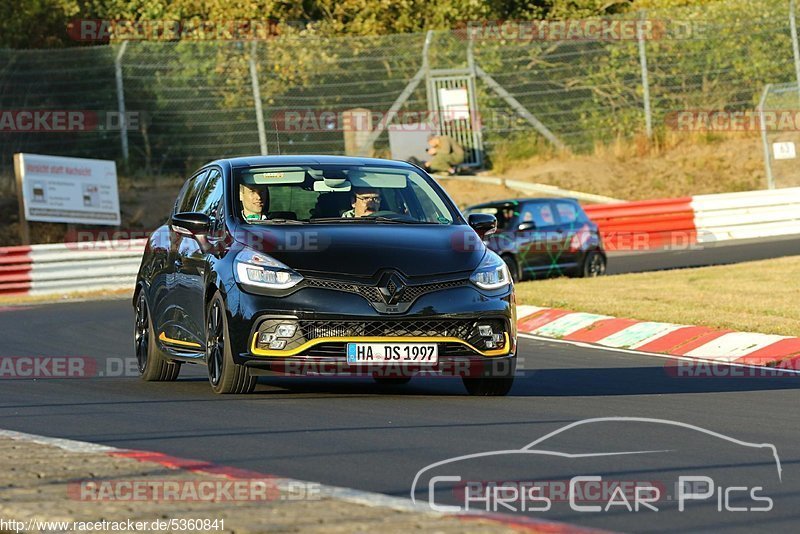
(594, 265)
(152, 362)
(224, 375)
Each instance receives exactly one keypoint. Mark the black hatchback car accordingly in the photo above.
(323, 265)
(542, 237)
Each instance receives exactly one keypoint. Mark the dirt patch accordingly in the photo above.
(466, 193)
(43, 483)
(633, 170)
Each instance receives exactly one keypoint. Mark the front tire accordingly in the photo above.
(224, 374)
(513, 268)
(497, 384)
(152, 362)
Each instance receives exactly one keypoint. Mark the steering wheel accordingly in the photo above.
(384, 213)
(388, 214)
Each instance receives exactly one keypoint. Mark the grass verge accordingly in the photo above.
(759, 296)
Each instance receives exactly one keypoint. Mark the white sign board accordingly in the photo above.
(454, 104)
(784, 150)
(68, 190)
(409, 140)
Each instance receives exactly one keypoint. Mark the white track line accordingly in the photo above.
(64, 444)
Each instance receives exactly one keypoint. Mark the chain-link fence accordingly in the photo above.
(186, 102)
(778, 117)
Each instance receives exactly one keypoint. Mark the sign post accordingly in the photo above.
(24, 229)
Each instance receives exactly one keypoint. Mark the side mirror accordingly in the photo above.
(525, 226)
(483, 223)
(191, 224)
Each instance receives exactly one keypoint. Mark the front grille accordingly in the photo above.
(431, 328)
(373, 294)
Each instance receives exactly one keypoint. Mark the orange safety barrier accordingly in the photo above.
(645, 224)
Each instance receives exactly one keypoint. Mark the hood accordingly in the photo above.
(364, 249)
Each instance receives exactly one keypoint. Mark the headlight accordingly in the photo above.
(257, 269)
(492, 273)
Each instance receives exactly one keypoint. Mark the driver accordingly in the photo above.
(254, 198)
(365, 201)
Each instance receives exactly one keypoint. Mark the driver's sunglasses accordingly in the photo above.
(370, 198)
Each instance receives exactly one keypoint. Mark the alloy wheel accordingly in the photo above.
(142, 332)
(215, 346)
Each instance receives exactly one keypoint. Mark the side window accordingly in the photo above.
(568, 212)
(504, 215)
(210, 195)
(541, 214)
(188, 195)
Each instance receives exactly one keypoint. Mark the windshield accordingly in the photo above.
(337, 193)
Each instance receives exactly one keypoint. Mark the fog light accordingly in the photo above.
(277, 344)
(286, 330)
(490, 344)
(266, 337)
(485, 330)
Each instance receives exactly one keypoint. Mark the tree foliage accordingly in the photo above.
(43, 23)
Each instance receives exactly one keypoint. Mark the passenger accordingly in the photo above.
(255, 200)
(365, 201)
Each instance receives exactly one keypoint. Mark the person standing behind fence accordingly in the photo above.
(445, 154)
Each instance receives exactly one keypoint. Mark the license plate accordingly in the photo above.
(401, 353)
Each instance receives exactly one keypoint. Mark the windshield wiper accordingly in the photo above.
(276, 221)
(361, 220)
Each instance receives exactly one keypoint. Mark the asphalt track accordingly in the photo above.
(720, 253)
(354, 433)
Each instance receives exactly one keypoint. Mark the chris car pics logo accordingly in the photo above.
(572, 470)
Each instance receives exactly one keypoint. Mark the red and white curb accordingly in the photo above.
(353, 496)
(663, 339)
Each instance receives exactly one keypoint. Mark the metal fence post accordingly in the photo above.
(764, 140)
(123, 120)
(262, 132)
(795, 46)
(648, 117)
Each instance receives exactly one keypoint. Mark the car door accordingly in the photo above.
(195, 258)
(571, 220)
(539, 245)
(174, 329)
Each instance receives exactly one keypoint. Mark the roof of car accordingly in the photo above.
(251, 161)
(512, 201)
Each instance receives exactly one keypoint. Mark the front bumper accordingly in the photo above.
(327, 320)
